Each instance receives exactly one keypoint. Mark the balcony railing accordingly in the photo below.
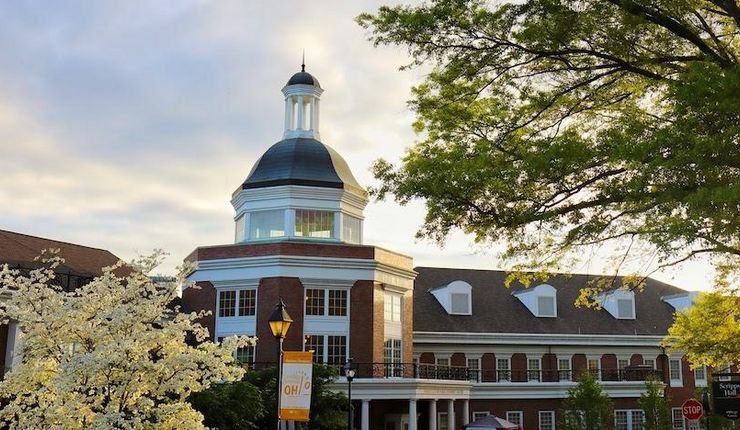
(459, 373)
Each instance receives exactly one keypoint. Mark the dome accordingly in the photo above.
(302, 161)
(303, 78)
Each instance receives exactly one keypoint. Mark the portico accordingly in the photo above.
(416, 402)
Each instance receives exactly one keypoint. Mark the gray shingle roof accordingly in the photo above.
(496, 310)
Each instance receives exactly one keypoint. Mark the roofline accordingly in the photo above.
(446, 337)
(55, 240)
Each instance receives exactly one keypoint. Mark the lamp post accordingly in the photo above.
(279, 324)
(349, 373)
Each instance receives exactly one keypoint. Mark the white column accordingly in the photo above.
(316, 116)
(451, 413)
(299, 110)
(365, 417)
(288, 112)
(312, 118)
(433, 414)
(412, 414)
(466, 412)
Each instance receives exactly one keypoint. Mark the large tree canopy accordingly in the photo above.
(556, 125)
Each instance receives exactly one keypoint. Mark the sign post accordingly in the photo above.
(295, 387)
(692, 409)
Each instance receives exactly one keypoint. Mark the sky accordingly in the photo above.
(127, 125)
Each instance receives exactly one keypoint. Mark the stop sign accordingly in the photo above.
(692, 409)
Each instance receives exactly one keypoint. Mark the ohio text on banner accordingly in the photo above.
(295, 389)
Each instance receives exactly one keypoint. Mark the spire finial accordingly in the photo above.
(303, 61)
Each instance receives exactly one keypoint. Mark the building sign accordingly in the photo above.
(295, 387)
(727, 396)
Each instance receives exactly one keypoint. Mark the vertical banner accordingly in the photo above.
(295, 388)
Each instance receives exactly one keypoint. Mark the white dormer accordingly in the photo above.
(540, 300)
(619, 303)
(455, 297)
(682, 301)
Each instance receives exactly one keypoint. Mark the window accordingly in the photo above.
(313, 223)
(564, 369)
(442, 362)
(226, 303)
(392, 354)
(593, 367)
(314, 301)
(459, 303)
(674, 369)
(337, 302)
(266, 224)
(725, 368)
(700, 375)
(629, 420)
(351, 229)
(625, 309)
(503, 369)
(480, 414)
(533, 369)
(239, 229)
(677, 417)
(245, 354)
(547, 420)
(336, 350)
(321, 302)
(327, 349)
(649, 362)
(474, 369)
(392, 307)
(442, 423)
(247, 302)
(545, 306)
(315, 343)
(515, 417)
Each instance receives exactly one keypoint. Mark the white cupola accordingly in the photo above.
(302, 95)
(300, 189)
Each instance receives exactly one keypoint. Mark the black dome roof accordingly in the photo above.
(303, 78)
(301, 161)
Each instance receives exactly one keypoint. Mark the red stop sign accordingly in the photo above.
(692, 409)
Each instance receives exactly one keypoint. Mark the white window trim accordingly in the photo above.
(654, 358)
(569, 369)
(598, 367)
(701, 382)
(480, 414)
(676, 382)
(683, 420)
(237, 290)
(630, 423)
(498, 370)
(548, 412)
(538, 358)
(521, 417)
(469, 296)
(438, 356)
(478, 357)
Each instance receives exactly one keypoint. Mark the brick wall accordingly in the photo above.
(270, 292)
(363, 327)
(201, 297)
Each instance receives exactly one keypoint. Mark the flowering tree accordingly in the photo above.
(112, 354)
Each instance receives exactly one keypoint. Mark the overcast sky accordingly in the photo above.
(126, 125)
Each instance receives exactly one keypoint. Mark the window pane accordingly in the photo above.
(247, 302)
(533, 369)
(266, 224)
(315, 343)
(638, 420)
(459, 303)
(336, 353)
(503, 369)
(474, 369)
(649, 362)
(337, 302)
(624, 308)
(677, 416)
(239, 230)
(546, 306)
(514, 417)
(392, 307)
(226, 303)
(314, 301)
(245, 354)
(622, 363)
(313, 223)
(675, 369)
(351, 229)
(700, 373)
(620, 420)
(547, 420)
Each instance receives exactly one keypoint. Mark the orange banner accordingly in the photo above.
(295, 386)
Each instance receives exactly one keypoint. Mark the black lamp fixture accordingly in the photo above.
(279, 322)
(349, 373)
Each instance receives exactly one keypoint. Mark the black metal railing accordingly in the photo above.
(460, 373)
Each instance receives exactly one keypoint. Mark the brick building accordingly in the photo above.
(433, 347)
(19, 251)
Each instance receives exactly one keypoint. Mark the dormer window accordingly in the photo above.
(619, 303)
(455, 297)
(540, 300)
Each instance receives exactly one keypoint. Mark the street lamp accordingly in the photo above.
(279, 324)
(349, 373)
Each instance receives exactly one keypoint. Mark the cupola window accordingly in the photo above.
(266, 224)
(314, 223)
(619, 303)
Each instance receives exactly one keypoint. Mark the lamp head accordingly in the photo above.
(280, 321)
